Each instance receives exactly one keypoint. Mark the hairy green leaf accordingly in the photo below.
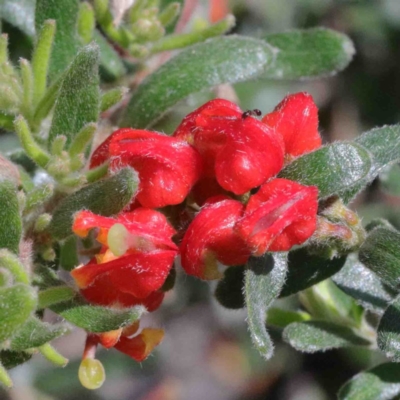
(219, 60)
(20, 14)
(264, 279)
(16, 305)
(381, 254)
(307, 269)
(379, 383)
(11, 224)
(111, 65)
(106, 197)
(97, 318)
(363, 285)
(66, 41)
(384, 146)
(333, 168)
(78, 100)
(302, 54)
(10, 359)
(312, 336)
(389, 331)
(35, 333)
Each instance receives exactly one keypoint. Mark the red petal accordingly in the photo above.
(241, 152)
(167, 167)
(211, 237)
(296, 119)
(139, 347)
(280, 215)
(138, 274)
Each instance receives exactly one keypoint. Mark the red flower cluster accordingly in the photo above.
(221, 160)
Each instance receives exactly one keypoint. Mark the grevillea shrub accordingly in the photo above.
(100, 212)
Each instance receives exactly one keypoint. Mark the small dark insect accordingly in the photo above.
(256, 113)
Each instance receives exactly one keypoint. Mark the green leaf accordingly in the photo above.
(363, 285)
(312, 336)
(389, 331)
(78, 99)
(379, 383)
(11, 224)
(381, 254)
(68, 254)
(165, 3)
(219, 60)
(333, 168)
(54, 295)
(11, 359)
(307, 269)
(66, 41)
(282, 318)
(16, 305)
(35, 333)
(308, 53)
(97, 318)
(111, 65)
(229, 291)
(20, 14)
(106, 197)
(264, 279)
(384, 146)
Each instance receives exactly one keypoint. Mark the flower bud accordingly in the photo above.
(167, 167)
(280, 215)
(210, 239)
(240, 151)
(296, 119)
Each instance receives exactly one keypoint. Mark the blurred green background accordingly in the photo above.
(207, 353)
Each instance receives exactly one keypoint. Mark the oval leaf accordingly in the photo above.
(381, 254)
(306, 270)
(66, 41)
(35, 333)
(389, 331)
(106, 197)
(78, 99)
(379, 383)
(308, 53)
(219, 60)
(16, 305)
(333, 168)
(264, 279)
(96, 318)
(11, 224)
(312, 336)
(384, 146)
(20, 14)
(359, 282)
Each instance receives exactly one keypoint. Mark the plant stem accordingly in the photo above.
(51, 354)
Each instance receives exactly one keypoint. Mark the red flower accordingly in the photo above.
(134, 262)
(280, 215)
(296, 119)
(167, 167)
(210, 238)
(240, 151)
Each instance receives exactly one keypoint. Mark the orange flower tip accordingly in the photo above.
(109, 339)
(117, 239)
(131, 329)
(152, 338)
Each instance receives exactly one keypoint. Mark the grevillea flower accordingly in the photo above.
(167, 167)
(210, 239)
(134, 262)
(240, 151)
(296, 119)
(280, 215)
